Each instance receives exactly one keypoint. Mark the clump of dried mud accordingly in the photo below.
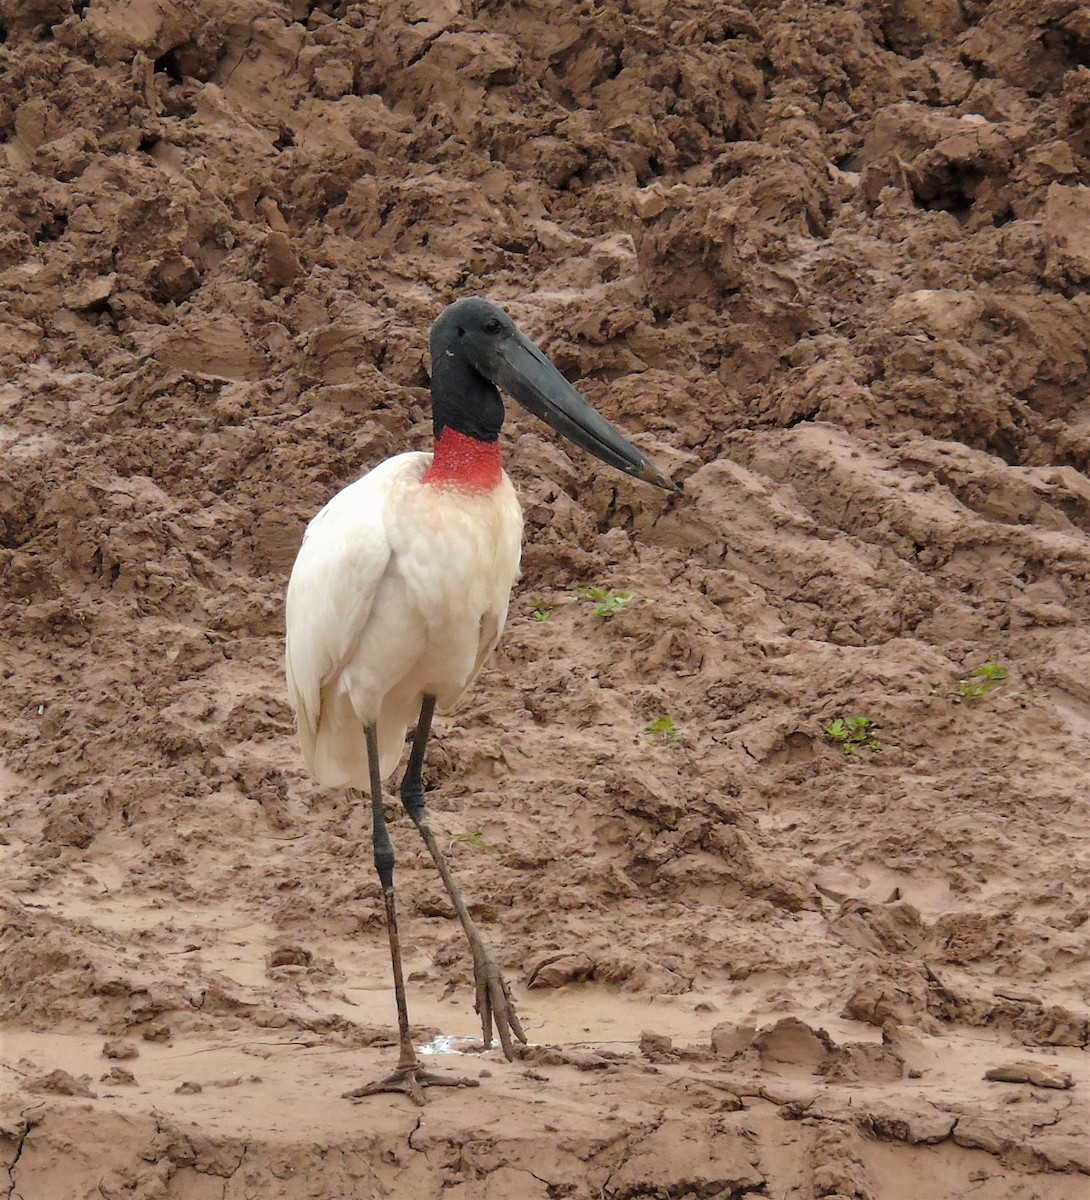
(831, 261)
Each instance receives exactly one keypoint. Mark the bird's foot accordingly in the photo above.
(412, 1081)
(494, 1003)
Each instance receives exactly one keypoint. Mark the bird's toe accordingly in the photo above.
(496, 1008)
(410, 1081)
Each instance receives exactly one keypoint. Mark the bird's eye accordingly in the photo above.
(492, 325)
(461, 331)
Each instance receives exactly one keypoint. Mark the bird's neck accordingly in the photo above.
(464, 462)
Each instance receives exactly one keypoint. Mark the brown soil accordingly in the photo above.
(831, 262)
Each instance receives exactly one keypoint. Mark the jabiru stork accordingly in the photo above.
(399, 594)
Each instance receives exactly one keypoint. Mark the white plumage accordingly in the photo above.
(400, 589)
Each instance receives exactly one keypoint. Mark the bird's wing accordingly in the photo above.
(344, 555)
(492, 624)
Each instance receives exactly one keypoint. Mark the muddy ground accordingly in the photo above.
(830, 263)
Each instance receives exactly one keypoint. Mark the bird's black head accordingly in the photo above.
(464, 340)
(476, 348)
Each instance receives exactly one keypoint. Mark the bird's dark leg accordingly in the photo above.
(409, 1077)
(494, 1001)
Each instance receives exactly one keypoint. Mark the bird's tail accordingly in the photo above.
(337, 751)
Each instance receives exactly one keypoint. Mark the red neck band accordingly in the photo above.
(463, 462)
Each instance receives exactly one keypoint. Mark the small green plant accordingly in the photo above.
(662, 729)
(606, 601)
(540, 611)
(852, 734)
(980, 681)
(472, 838)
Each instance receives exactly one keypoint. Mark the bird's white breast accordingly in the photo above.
(456, 551)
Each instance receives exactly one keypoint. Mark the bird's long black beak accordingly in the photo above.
(523, 371)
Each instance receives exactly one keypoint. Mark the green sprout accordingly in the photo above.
(606, 601)
(662, 729)
(980, 681)
(541, 611)
(472, 838)
(852, 734)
